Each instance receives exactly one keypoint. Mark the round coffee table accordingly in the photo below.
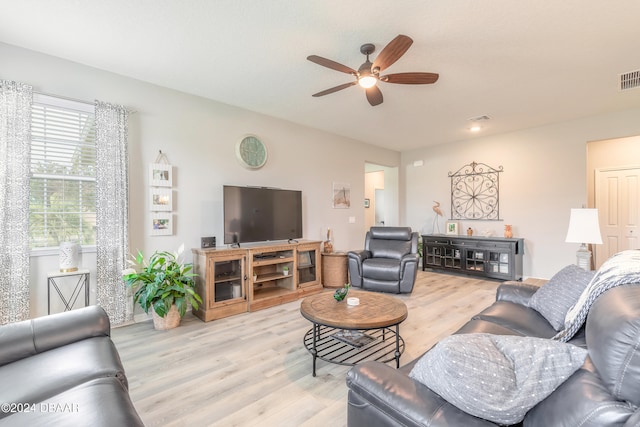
(347, 335)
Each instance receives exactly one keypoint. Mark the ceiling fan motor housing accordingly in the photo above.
(365, 69)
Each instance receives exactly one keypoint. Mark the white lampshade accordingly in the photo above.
(584, 227)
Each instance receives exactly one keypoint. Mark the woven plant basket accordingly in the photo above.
(169, 321)
(334, 271)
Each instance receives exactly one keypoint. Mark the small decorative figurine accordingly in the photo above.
(341, 293)
(328, 245)
(469, 231)
(438, 211)
(507, 231)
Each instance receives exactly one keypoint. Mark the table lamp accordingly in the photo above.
(584, 228)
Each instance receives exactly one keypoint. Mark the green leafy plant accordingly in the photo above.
(162, 281)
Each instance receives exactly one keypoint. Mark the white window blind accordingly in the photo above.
(63, 163)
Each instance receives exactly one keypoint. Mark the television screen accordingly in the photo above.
(255, 214)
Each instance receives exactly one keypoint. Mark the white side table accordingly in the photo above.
(55, 279)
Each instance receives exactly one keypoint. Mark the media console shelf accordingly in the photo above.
(492, 257)
(269, 285)
(236, 280)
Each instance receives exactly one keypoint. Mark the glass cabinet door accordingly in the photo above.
(227, 280)
(474, 260)
(499, 263)
(452, 257)
(307, 266)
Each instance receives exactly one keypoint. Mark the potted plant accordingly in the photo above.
(285, 270)
(164, 283)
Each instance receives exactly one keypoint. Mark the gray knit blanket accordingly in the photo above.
(621, 269)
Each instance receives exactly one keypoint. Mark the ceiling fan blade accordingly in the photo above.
(334, 89)
(374, 96)
(411, 78)
(331, 64)
(392, 52)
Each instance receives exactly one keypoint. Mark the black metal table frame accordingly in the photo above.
(319, 341)
(83, 281)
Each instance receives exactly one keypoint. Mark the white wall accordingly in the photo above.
(199, 136)
(544, 168)
(545, 175)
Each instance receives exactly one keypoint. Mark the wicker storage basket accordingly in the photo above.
(334, 270)
(169, 321)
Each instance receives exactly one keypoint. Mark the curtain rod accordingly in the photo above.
(76, 100)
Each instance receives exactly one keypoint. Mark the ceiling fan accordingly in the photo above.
(368, 75)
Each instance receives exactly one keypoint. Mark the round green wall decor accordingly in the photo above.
(251, 152)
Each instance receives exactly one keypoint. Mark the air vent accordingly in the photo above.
(630, 80)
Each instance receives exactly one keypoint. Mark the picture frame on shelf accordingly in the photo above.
(160, 175)
(161, 224)
(161, 199)
(452, 228)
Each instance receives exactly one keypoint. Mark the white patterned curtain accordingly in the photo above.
(15, 142)
(112, 211)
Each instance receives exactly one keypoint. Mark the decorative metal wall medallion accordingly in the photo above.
(475, 192)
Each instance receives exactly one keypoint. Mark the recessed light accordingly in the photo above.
(475, 123)
(479, 118)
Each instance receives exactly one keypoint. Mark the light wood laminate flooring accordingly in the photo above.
(252, 369)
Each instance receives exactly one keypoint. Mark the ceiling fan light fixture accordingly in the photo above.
(366, 78)
(367, 81)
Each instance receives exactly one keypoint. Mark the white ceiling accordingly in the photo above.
(523, 63)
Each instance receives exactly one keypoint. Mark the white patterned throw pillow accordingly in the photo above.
(554, 299)
(497, 377)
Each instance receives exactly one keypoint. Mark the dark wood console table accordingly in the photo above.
(492, 257)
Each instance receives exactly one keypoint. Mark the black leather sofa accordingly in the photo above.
(605, 391)
(388, 263)
(63, 370)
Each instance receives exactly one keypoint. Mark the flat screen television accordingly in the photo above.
(258, 214)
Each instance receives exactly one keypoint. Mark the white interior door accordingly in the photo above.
(617, 195)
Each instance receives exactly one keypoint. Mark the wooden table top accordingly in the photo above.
(374, 311)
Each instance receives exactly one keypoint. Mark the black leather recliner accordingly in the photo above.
(389, 261)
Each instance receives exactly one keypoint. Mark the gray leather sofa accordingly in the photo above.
(63, 370)
(389, 261)
(604, 392)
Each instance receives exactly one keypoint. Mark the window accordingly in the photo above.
(63, 164)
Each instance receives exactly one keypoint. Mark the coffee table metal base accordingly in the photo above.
(387, 345)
